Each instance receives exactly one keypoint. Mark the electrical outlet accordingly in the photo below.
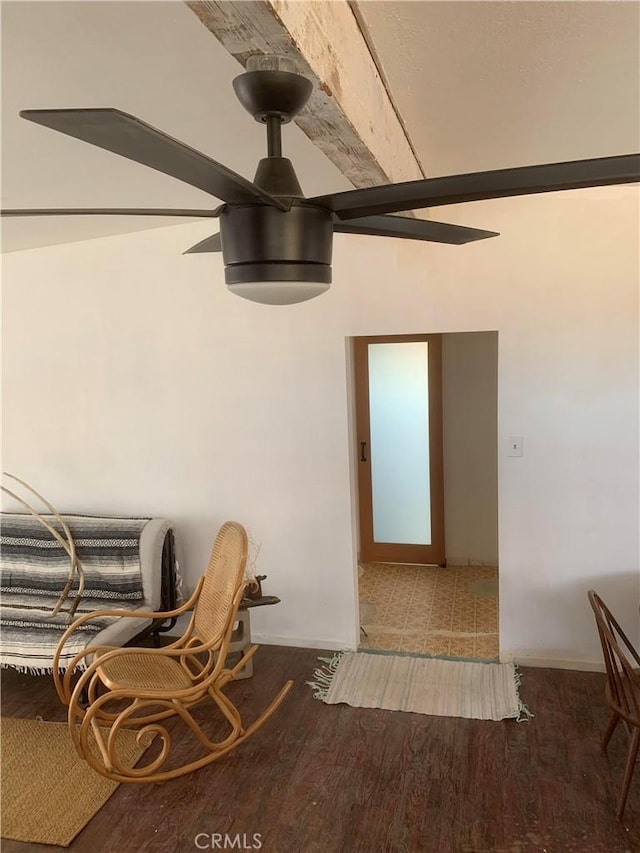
(514, 447)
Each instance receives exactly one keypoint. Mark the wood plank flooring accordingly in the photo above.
(335, 779)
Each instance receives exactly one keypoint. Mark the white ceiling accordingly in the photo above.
(490, 85)
(480, 85)
(154, 60)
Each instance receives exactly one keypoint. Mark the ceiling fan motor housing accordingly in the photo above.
(262, 243)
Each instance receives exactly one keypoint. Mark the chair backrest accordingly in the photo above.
(221, 582)
(621, 662)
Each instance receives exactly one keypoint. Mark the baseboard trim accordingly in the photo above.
(300, 642)
(553, 663)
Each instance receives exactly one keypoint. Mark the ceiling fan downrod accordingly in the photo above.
(274, 136)
(273, 97)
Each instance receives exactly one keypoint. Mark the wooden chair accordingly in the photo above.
(622, 688)
(138, 687)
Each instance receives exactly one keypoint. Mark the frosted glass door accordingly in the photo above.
(399, 433)
(398, 390)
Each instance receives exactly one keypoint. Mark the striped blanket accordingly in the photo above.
(34, 569)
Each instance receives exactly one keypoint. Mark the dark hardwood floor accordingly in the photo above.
(334, 779)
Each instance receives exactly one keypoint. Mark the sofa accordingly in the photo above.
(125, 563)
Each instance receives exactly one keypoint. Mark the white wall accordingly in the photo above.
(134, 383)
(470, 447)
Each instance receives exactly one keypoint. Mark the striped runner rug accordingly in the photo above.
(444, 688)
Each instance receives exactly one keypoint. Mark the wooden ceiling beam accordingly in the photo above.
(350, 115)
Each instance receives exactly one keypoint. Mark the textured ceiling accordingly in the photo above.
(489, 85)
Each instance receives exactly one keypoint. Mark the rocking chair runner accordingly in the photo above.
(138, 688)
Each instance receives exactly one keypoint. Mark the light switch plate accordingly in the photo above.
(514, 447)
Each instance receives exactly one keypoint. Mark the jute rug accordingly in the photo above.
(480, 691)
(48, 792)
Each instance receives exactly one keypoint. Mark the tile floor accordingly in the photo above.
(450, 611)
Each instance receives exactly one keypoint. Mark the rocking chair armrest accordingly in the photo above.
(174, 649)
(135, 614)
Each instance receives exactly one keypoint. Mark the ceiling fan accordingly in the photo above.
(276, 245)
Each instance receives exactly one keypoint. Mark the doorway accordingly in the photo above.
(444, 603)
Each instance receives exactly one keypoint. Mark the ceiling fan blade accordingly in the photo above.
(412, 229)
(114, 211)
(132, 138)
(475, 186)
(209, 244)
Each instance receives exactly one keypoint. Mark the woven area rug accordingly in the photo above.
(444, 688)
(48, 792)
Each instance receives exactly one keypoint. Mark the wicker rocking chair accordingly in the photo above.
(138, 687)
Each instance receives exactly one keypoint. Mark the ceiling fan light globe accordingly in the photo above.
(279, 292)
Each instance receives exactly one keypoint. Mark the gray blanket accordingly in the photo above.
(34, 569)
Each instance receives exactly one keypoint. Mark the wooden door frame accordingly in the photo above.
(371, 551)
